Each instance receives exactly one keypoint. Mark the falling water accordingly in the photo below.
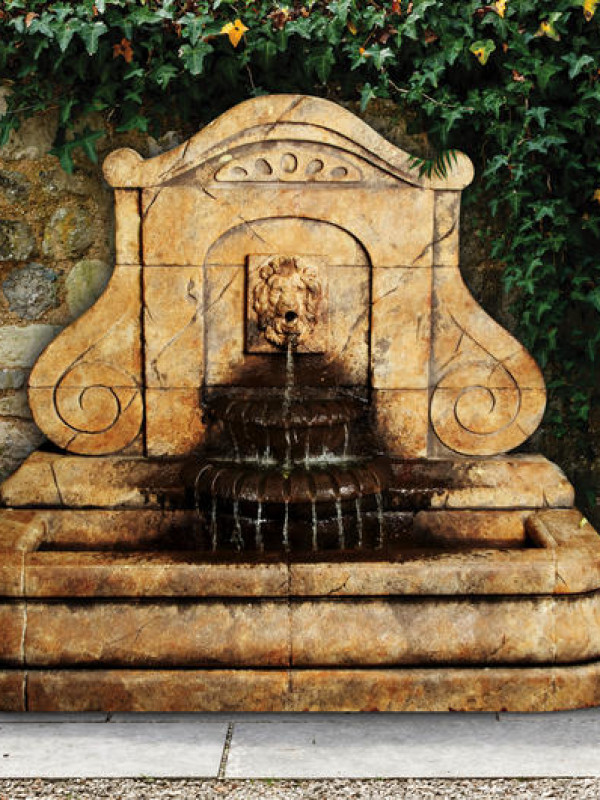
(237, 539)
(307, 450)
(286, 519)
(315, 531)
(289, 376)
(346, 439)
(340, 522)
(260, 546)
(379, 499)
(213, 524)
(287, 464)
(236, 447)
(359, 522)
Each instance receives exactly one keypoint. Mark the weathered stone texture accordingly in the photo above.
(31, 290)
(84, 284)
(16, 240)
(14, 186)
(68, 233)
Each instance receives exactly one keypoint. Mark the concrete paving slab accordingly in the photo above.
(416, 746)
(89, 750)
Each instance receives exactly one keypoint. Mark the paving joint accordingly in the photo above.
(226, 748)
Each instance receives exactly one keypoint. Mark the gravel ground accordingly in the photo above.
(332, 789)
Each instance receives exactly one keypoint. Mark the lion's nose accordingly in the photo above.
(290, 316)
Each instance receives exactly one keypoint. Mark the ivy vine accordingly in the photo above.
(514, 83)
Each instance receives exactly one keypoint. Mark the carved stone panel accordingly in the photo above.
(286, 298)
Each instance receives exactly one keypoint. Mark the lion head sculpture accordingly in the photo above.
(287, 299)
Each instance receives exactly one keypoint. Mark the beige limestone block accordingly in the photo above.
(577, 628)
(224, 323)
(171, 574)
(491, 689)
(401, 420)
(21, 529)
(183, 634)
(127, 226)
(11, 573)
(85, 389)
(488, 394)
(498, 689)
(446, 228)
(371, 215)
(12, 691)
(173, 327)
(174, 424)
(55, 480)
(158, 691)
(279, 118)
(517, 481)
(117, 481)
(290, 235)
(485, 420)
(349, 305)
(389, 632)
(401, 328)
(12, 624)
(475, 528)
(429, 573)
(33, 484)
(121, 529)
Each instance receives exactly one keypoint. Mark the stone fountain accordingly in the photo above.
(277, 477)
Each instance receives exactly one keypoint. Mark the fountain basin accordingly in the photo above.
(114, 608)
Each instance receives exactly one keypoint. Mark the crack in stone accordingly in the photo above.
(356, 323)
(149, 206)
(220, 295)
(55, 479)
(283, 114)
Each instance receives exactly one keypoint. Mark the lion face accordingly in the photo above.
(287, 300)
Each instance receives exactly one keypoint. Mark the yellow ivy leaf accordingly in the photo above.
(547, 29)
(482, 50)
(583, 522)
(235, 31)
(589, 8)
(596, 196)
(352, 28)
(500, 7)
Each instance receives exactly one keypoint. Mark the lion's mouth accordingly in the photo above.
(290, 317)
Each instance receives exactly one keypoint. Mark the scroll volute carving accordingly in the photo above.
(85, 389)
(489, 394)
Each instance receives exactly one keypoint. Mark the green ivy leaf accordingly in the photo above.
(193, 57)
(91, 34)
(320, 61)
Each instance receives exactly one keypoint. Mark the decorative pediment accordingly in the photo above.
(280, 118)
(289, 162)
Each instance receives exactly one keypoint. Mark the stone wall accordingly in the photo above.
(56, 256)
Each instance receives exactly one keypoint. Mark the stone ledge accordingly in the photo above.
(509, 482)
(143, 554)
(500, 689)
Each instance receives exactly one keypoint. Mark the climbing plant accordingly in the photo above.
(514, 83)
